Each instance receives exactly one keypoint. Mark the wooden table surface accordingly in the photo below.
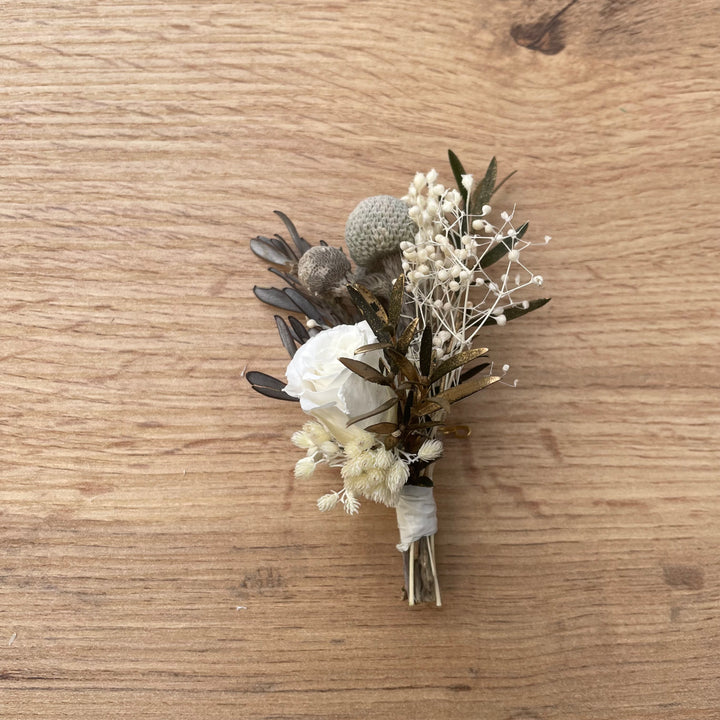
(158, 559)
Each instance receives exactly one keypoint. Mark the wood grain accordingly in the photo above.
(158, 559)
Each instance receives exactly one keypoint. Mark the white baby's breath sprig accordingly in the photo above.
(451, 289)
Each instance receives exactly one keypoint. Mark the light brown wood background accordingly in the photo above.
(157, 559)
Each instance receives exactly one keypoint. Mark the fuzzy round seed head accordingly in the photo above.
(322, 269)
(376, 227)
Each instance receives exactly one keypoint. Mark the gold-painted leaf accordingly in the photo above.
(404, 365)
(365, 371)
(432, 405)
(373, 346)
(383, 428)
(373, 302)
(456, 361)
(426, 350)
(385, 406)
(396, 301)
(369, 313)
(453, 394)
(408, 334)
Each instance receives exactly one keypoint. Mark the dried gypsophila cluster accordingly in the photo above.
(367, 468)
(447, 263)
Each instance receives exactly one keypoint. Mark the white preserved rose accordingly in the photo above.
(328, 390)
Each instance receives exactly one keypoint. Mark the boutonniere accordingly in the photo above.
(384, 342)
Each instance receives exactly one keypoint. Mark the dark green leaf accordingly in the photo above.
(472, 372)
(396, 301)
(502, 248)
(458, 171)
(385, 406)
(483, 191)
(455, 362)
(517, 311)
(426, 350)
(503, 181)
(365, 371)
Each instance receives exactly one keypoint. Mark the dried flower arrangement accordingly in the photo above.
(386, 348)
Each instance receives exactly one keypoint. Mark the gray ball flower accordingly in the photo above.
(324, 270)
(376, 227)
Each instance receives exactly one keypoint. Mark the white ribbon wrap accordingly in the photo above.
(416, 515)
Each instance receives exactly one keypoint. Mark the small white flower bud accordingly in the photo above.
(538, 279)
(430, 450)
(467, 182)
(486, 210)
(328, 502)
(304, 468)
(397, 475)
(500, 319)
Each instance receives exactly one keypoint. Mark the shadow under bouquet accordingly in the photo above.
(386, 346)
